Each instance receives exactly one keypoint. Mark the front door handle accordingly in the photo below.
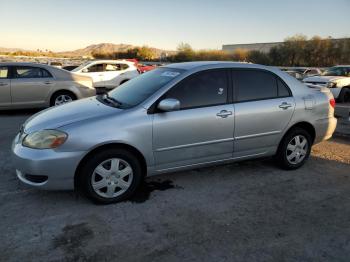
(224, 113)
(285, 105)
(3, 84)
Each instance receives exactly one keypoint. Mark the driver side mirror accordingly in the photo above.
(85, 70)
(169, 104)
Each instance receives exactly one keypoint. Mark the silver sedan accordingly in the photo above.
(173, 118)
(31, 85)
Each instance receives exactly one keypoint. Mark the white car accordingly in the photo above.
(337, 79)
(108, 73)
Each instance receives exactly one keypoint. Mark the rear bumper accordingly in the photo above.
(325, 129)
(46, 169)
(86, 92)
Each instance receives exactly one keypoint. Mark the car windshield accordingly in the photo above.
(81, 66)
(337, 71)
(140, 88)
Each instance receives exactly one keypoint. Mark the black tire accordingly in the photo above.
(344, 95)
(60, 93)
(87, 171)
(282, 153)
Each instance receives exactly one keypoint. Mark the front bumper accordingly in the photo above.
(53, 169)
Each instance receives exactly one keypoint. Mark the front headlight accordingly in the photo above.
(331, 85)
(45, 139)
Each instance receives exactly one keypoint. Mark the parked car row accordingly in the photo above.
(337, 79)
(302, 72)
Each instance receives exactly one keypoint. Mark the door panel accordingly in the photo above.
(5, 86)
(31, 90)
(31, 85)
(5, 92)
(192, 136)
(259, 124)
(263, 109)
(112, 73)
(95, 71)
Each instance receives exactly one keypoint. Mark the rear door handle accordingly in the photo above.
(3, 84)
(224, 113)
(285, 105)
(47, 83)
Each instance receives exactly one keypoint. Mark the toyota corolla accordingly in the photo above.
(172, 118)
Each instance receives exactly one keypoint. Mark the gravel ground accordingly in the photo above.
(248, 211)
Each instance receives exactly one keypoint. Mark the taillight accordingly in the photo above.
(332, 102)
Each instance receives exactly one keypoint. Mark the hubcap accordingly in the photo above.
(297, 149)
(112, 177)
(62, 99)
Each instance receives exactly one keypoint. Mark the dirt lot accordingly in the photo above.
(250, 211)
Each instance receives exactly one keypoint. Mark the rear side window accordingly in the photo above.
(3, 72)
(283, 90)
(254, 85)
(31, 72)
(115, 67)
(202, 89)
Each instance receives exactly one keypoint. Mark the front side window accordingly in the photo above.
(138, 89)
(255, 85)
(30, 72)
(207, 88)
(3, 72)
(95, 68)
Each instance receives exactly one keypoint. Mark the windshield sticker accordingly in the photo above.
(170, 74)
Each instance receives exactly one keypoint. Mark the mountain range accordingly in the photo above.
(89, 50)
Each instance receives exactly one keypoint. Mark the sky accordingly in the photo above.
(62, 25)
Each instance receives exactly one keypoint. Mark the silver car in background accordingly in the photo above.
(172, 118)
(31, 85)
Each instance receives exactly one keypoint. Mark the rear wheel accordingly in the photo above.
(294, 149)
(61, 98)
(110, 176)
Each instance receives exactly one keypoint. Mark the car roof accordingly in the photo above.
(112, 61)
(23, 64)
(195, 65)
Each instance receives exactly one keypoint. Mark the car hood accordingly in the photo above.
(62, 115)
(322, 79)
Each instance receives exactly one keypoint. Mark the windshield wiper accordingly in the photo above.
(112, 99)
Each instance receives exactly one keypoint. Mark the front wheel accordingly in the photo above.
(110, 176)
(294, 149)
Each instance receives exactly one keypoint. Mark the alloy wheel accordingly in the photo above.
(62, 99)
(297, 149)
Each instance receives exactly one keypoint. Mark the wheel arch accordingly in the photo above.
(62, 91)
(304, 125)
(95, 150)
